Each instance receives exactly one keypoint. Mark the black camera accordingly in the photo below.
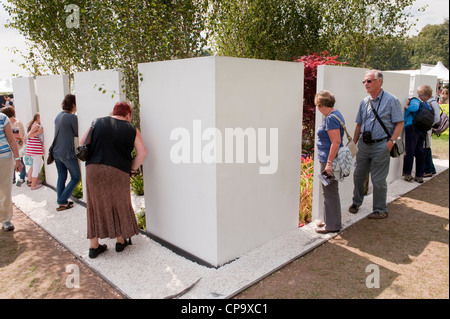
(367, 137)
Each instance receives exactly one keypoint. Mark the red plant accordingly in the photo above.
(310, 87)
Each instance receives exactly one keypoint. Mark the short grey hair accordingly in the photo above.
(378, 74)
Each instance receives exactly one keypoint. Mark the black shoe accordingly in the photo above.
(353, 209)
(120, 247)
(94, 252)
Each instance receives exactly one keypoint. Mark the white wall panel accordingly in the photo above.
(217, 211)
(25, 101)
(96, 93)
(51, 91)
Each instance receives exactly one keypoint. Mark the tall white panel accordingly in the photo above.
(51, 91)
(25, 101)
(96, 94)
(219, 209)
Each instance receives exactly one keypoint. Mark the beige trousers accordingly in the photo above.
(6, 169)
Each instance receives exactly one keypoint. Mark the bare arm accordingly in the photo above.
(13, 145)
(397, 131)
(36, 129)
(141, 151)
(357, 133)
(83, 139)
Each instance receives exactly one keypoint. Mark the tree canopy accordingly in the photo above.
(68, 36)
(110, 34)
(430, 45)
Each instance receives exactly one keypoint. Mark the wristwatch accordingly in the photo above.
(393, 142)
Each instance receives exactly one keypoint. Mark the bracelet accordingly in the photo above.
(17, 158)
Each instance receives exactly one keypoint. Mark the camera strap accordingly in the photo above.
(378, 118)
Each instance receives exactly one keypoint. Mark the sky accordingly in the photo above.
(435, 13)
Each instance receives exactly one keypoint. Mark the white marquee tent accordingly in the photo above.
(440, 71)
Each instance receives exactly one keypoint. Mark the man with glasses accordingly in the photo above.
(374, 144)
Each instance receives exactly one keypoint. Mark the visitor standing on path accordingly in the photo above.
(329, 140)
(425, 93)
(66, 129)
(20, 136)
(110, 214)
(35, 149)
(8, 151)
(374, 145)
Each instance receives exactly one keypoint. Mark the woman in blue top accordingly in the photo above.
(329, 140)
(414, 140)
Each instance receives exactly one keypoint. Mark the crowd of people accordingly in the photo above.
(111, 141)
(379, 123)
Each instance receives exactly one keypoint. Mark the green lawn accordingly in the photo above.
(440, 146)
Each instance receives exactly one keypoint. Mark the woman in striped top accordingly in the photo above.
(35, 149)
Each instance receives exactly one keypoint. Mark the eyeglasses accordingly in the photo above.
(368, 81)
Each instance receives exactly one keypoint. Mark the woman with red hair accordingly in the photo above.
(109, 165)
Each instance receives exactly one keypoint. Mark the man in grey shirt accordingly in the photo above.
(374, 144)
(64, 152)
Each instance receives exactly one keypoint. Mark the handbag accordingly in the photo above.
(50, 158)
(350, 144)
(83, 150)
(398, 147)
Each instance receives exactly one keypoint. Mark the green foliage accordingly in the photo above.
(140, 219)
(265, 29)
(137, 184)
(121, 34)
(431, 45)
(355, 29)
(78, 191)
(111, 34)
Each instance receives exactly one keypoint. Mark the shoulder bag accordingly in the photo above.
(350, 144)
(398, 147)
(83, 150)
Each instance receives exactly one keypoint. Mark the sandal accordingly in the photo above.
(378, 215)
(320, 224)
(64, 207)
(325, 231)
(36, 187)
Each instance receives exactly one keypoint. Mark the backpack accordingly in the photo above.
(442, 125)
(424, 118)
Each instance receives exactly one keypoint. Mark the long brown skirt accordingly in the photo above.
(109, 210)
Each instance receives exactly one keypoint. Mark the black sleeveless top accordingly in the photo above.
(112, 142)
